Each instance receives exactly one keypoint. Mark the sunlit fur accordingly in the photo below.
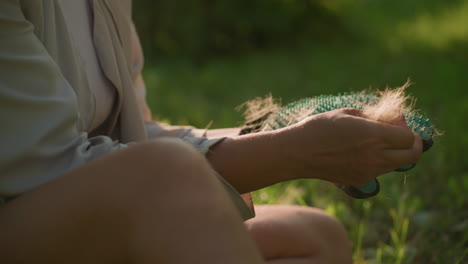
(390, 107)
(393, 103)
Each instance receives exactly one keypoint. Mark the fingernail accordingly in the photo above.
(427, 144)
(406, 167)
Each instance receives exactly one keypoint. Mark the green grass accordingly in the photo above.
(420, 216)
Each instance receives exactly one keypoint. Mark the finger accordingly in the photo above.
(398, 137)
(403, 157)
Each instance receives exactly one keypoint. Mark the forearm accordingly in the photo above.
(250, 162)
(336, 146)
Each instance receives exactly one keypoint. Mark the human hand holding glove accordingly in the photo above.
(343, 147)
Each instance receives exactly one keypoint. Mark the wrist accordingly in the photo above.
(250, 162)
(301, 151)
(284, 145)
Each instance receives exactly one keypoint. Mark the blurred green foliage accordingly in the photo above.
(207, 57)
(205, 28)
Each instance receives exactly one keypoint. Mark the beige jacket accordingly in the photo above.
(47, 106)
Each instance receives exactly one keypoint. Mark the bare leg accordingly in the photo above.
(299, 235)
(154, 203)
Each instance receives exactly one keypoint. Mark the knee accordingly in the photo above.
(169, 151)
(168, 159)
(170, 171)
(330, 235)
(311, 233)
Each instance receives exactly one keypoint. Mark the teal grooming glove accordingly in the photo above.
(287, 115)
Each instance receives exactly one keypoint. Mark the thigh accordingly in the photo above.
(145, 204)
(73, 215)
(283, 232)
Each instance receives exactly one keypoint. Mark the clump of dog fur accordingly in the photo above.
(389, 108)
(393, 103)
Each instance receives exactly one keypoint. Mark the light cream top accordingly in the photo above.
(77, 15)
(62, 65)
(71, 90)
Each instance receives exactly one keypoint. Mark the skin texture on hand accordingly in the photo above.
(342, 147)
(338, 146)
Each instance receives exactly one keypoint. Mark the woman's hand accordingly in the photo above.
(337, 146)
(340, 146)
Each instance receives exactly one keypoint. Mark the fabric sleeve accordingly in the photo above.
(201, 139)
(39, 115)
